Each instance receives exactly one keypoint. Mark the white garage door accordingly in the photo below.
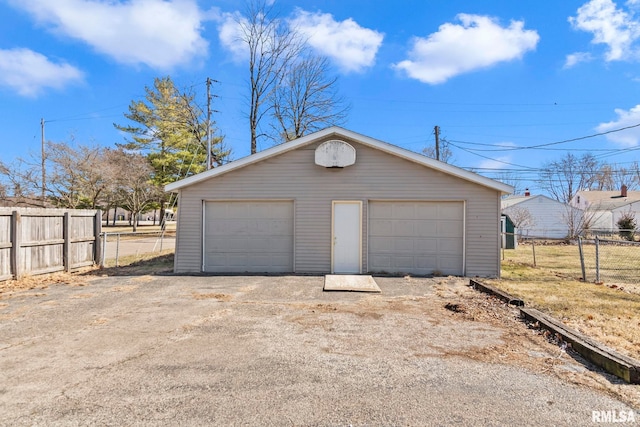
(416, 237)
(253, 237)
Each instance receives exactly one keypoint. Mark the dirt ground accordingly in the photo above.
(167, 350)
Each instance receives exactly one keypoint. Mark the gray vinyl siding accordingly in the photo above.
(375, 176)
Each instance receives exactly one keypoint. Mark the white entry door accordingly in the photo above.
(347, 237)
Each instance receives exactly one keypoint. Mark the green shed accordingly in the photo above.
(508, 229)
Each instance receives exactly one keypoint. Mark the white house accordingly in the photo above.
(539, 216)
(605, 208)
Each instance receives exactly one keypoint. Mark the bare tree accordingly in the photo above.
(306, 99)
(613, 177)
(578, 221)
(76, 175)
(511, 178)
(521, 217)
(21, 180)
(131, 183)
(564, 177)
(445, 152)
(272, 45)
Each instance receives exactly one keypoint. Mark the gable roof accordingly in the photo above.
(513, 200)
(608, 200)
(509, 201)
(338, 132)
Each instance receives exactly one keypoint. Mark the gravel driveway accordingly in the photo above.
(175, 350)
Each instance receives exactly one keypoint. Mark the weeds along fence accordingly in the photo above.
(39, 240)
(595, 259)
(535, 250)
(117, 246)
(606, 260)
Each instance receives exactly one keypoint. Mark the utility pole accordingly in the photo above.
(208, 123)
(44, 173)
(437, 132)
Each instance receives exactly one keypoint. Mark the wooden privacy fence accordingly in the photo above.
(39, 241)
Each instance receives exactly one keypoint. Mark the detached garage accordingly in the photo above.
(338, 202)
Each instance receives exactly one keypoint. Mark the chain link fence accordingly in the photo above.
(117, 246)
(600, 260)
(606, 260)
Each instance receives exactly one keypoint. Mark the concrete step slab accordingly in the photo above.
(350, 283)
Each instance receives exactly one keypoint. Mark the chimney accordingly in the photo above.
(623, 191)
(527, 194)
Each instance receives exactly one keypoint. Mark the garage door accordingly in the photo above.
(254, 237)
(416, 237)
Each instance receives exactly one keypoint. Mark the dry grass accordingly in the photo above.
(146, 263)
(8, 288)
(609, 314)
(142, 266)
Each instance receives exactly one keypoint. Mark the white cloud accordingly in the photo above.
(625, 138)
(576, 58)
(352, 47)
(158, 33)
(30, 72)
(479, 42)
(508, 144)
(497, 163)
(610, 26)
(231, 34)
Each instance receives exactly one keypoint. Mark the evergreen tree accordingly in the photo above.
(170, 129)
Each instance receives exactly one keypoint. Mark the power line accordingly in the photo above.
(489, 158)
(531, 147)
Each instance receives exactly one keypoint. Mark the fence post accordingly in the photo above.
(97, 233)
(533, 245)
(16, 234)
(597, 260)
(66, 246)
(104, 249)
(584, 275)
(117, 249)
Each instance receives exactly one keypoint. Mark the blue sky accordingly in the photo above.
(494, 75)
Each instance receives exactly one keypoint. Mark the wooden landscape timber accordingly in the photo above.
(623, 367)
(611, 361)
(488, 289)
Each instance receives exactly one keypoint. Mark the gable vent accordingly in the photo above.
(335, 154)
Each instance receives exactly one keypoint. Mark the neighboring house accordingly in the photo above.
(547, 218)
(605, 208)
(121, 214)
(338, 202)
